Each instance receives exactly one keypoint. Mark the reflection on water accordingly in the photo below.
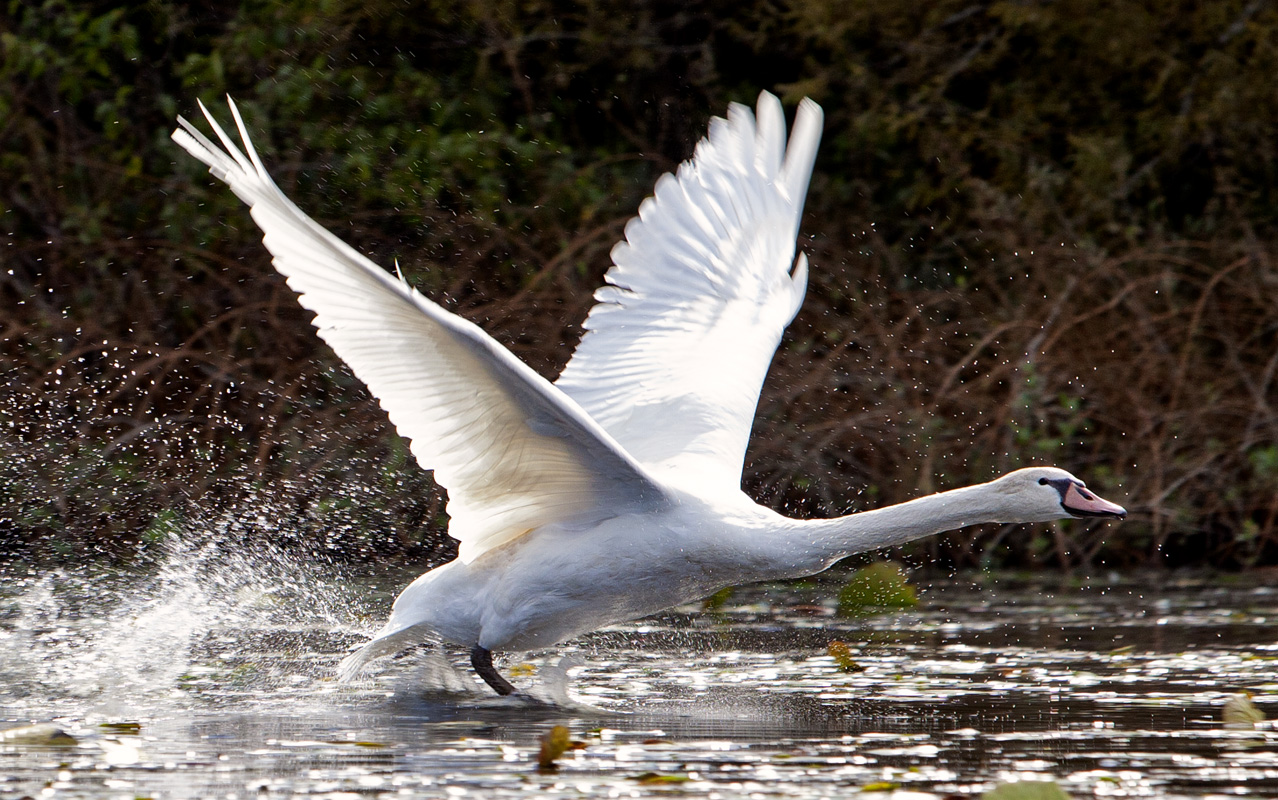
(224, 661)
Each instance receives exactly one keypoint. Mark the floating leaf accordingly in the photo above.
(653, 778)
(881, 786)
(809, 609)
(553, 745)
(717, 600)
(1026, 790)
(122, 728)
(842, 655)
(876, 587)
(520, 670)
(44, 734)
(353, 743)
(1240, 712)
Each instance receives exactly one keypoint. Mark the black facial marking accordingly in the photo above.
(1061, 485)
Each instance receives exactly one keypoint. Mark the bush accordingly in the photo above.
(1040, 233)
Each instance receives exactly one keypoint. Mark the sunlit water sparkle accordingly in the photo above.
(224, 660)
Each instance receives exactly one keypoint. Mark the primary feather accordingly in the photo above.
(514, 452)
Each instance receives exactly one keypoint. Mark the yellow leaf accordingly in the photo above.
(1240, 712)
(842, 655)
(553, 745)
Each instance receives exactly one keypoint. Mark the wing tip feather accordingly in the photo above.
(800, 156)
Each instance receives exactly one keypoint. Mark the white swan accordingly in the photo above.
(614, 492)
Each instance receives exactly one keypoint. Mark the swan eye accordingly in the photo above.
(1042, 481)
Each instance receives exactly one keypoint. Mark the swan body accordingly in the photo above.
(630, 566)
(614, 492)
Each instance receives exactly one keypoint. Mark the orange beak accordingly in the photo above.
(1078, 501)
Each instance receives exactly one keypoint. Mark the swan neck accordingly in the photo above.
(824, 541)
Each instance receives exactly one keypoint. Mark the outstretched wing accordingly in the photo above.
(675, 353)
(513, 451)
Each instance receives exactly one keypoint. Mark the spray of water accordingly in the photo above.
(203, 619)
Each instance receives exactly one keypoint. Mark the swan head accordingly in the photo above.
(1041, 494)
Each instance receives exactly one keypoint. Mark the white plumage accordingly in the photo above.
(676, 350)
(615, 492)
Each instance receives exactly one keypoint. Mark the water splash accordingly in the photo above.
(205, 615)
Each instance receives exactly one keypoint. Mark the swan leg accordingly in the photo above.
(482, 660)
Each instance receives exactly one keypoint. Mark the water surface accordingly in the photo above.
(210, 675)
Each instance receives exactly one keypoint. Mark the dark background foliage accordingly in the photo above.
(1040, 233)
